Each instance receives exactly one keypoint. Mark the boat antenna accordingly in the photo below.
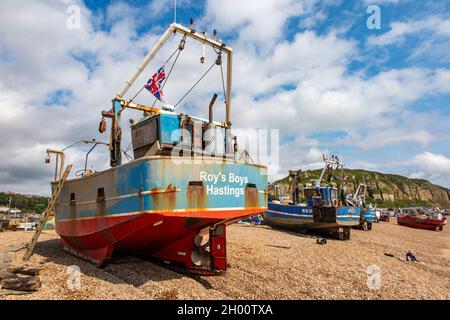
(175, 11)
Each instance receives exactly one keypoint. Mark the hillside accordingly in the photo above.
(25, 203)
(385, 190)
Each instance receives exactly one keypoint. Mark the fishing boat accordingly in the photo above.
(358, 199)
(323, 210)
(414, 218)
(368, 217)
(174, 200)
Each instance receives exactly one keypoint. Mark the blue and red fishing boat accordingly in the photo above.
(358, 199)
(323, 210)
(175, 199)
(422, 219)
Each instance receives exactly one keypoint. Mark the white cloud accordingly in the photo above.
(299, 86)
(399, 30)
(257, 21)
(431, 164)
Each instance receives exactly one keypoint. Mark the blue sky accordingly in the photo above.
(379, 98)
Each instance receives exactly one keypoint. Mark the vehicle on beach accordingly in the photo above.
(418, 218)
(185, 183)
(358, 199)
(384, 216)
(325, 208)
(27, 226)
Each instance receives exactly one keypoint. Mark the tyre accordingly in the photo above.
(347, 233)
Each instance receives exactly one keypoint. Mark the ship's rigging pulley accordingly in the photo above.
(177, 52)
(119, 103)
(218, 62)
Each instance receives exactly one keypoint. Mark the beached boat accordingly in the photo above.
(174, 200)
(323, 209)
(368, 218)
(358, 199)
(414, 219)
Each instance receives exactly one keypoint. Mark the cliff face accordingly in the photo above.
(387, 190)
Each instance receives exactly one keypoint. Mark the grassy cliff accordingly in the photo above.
(385, 190)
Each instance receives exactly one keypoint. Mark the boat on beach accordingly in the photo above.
(324, 210)
(414, 218)
(358, 199)
(174, 200)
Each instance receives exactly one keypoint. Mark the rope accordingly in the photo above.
(129, 147)
(223, 85)
(189, 91)
(168, 75)
(126, 154)
(219, 52)
(168, 59)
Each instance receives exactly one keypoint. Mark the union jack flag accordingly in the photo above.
(154, 84)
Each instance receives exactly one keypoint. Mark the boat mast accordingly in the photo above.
(333, 164)
(201, 37)
(119, 103)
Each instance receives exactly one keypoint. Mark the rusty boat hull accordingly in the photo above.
(175, 210)
(420, 223)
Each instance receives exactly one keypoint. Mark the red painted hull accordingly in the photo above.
(421, 223)
(168, 236)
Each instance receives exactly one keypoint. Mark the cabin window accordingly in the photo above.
(196, 183)
(72, 199)
(100, 194)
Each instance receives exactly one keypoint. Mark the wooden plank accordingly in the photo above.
(46, 213)
(22, 283)
(24, 271)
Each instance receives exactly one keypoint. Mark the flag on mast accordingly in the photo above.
(155, 82)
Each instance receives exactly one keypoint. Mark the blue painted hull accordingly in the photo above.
(368, 216)
(157, 206)
(158, 184)
(302, 217)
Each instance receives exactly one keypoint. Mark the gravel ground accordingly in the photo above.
(264, 263)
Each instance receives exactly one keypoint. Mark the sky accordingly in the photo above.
(377, 97)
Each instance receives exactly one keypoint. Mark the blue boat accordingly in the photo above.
(323, 210)
(174, 199)
(368, 215)
(368, 218)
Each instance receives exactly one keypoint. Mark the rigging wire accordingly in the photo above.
(195, 84)
(129, 147)
(219, 52)
(223, 85)
(127, 155)
(168, 74)
(168, 59)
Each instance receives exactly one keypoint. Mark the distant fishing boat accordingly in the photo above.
(323, 210)
(368, 217)
(413, 219)
(173, 201)
(358, 199)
